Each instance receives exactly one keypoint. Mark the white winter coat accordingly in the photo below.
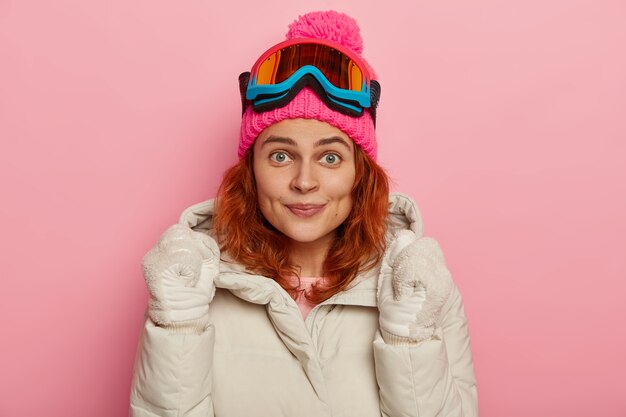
(258, 357)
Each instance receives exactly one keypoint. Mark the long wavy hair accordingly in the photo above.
(248, 238)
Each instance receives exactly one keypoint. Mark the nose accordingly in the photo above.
(304, 180)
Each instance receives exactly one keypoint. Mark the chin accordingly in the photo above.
(301, 235)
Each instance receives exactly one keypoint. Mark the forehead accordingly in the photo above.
(302, 131)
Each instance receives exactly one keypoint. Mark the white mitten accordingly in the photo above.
(179, 271)
(413, 286)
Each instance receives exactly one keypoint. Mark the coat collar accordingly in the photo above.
(262, 290)
(403, 214)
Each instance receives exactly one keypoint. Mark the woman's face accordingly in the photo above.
(304, 171)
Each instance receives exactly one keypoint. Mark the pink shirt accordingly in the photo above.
(305, 305)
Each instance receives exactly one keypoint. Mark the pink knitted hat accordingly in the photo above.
(337, 27)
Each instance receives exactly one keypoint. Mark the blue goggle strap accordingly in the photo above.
(276, 91)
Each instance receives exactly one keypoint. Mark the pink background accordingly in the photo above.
(505, 120)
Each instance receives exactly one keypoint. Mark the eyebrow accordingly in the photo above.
(289, 141)
(334, 139)
(279, 139)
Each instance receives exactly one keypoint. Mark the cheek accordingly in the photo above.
(340, 189)
(262, 181)
(270, 189)
(265, 197)
(341, 185)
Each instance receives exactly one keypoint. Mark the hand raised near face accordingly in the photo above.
(179, 271)
(413, 287)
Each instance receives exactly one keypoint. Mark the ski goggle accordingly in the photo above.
(338, 76)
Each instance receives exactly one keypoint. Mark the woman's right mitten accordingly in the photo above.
(179, 271)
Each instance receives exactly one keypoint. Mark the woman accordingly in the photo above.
(304, 289)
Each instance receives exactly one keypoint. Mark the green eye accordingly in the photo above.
(279, 157)
(331, 159)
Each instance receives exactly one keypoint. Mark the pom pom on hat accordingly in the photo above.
(333, 26)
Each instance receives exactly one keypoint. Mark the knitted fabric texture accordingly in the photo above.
(336, 27)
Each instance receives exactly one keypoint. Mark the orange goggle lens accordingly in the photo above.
(340, 70)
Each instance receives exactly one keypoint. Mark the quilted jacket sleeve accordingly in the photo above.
(434, 377)
(172, 373)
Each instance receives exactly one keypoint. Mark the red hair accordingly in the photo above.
(248, 238)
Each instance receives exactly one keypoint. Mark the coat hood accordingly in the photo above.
(403, 215)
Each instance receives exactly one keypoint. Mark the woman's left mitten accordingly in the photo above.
(413, 287)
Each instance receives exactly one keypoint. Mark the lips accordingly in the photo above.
(305, 210)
